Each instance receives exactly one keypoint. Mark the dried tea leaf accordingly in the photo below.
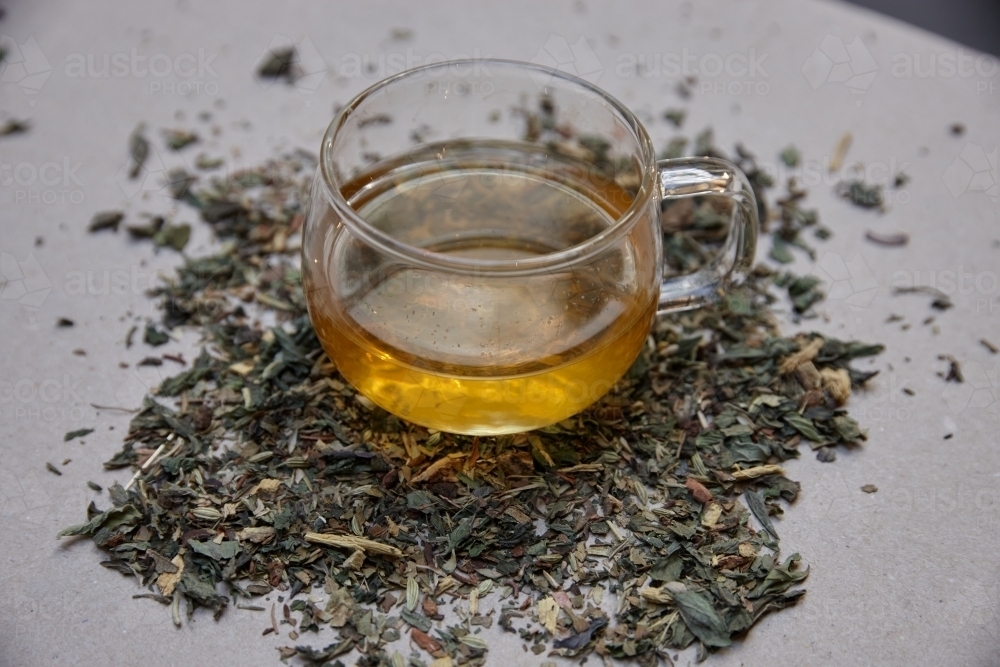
(257, 535)
(757, 471)
(115, 517)
(178, 139)
(424, 641)
(351, 542)
(699, 615)
(138, 148)
(279, 64)
(173, 236)
(14, 126)
(221, 551)
(106, 220)
(891, 240)
(79, 433)
(412, 593)
(674, 116)
(548, 613)
(167, 581)
(756, 504)
(790, 156)
(779, 578)
(415, 620)
(155, 337)
(698, 490)
(860, 194)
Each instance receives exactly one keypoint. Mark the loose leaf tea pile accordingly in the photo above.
(644, 524)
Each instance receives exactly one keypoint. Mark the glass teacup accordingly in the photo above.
(483, 251)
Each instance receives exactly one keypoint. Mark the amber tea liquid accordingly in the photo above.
(478, 353)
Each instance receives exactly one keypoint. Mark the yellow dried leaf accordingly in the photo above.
(474, 602)
(266, 486)
(837, 382)
(257, 535)
(433, 469)
(517, 515)
(840, 152)
(167, 580)
(658, 595)
(351, 542)
(548, 613)
(808, 375)
(539, 448)
(758, 471)
(355, 560)
(711, 515)
(241, 368)
(807, 353)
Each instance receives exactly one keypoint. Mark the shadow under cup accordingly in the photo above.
(482, 253)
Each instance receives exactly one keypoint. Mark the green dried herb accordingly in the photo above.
(178, 139)
(79, 433)
(791, 156)
(14, 126)
(646, 495)
(138, 148)
(154, 336)
(173, 236)
(860, 194)
(148, 230)
(941, 300)
(205, 162)
(280, 64)
(674, 116)
(106, 220)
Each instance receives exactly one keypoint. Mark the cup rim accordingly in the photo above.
(390, 245)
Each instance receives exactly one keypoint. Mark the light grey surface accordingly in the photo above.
(909, 575)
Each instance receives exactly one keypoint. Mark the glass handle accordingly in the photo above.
(698, 176)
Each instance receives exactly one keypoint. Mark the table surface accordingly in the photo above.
(907, 575)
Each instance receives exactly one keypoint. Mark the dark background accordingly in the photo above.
(975, 23)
